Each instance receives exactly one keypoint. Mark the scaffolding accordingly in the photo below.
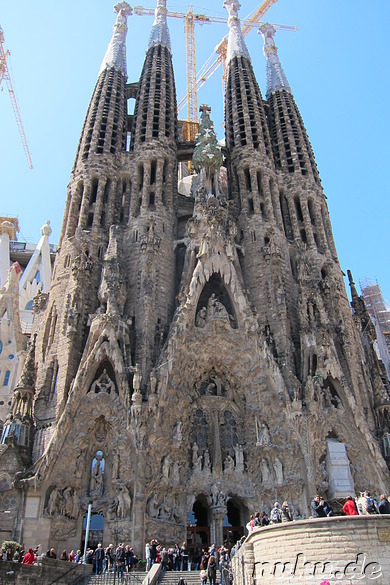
(376, 305)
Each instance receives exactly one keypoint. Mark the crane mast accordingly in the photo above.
(213, 63)
(5, 74)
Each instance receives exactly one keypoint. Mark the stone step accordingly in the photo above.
(109, 578)
(137, 577)
(190, 577)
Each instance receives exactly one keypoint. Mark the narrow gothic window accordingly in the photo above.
(153, 171)
(248, 182)
(95, 184)
(229, 436)
(200, 434)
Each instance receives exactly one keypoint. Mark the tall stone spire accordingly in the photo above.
(90, 201)
(236, 43)
(160, 33)
(276, 78)
(116, 51)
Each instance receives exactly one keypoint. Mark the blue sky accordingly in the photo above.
(336, 64)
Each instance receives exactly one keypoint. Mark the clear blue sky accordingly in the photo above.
(336, 64)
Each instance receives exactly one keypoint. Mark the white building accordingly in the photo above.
(31, 274)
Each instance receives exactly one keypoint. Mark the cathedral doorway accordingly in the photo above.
(96, 529)
(233, 524)
(198, 527)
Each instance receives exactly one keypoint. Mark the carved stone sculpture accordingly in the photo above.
(278, 468)
(96, 484)
(123, 499)
(265, 471)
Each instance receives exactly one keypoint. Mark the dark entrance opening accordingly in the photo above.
(198, 530)
(95, 531)
(232, 525)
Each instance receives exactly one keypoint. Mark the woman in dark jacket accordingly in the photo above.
(212, 570)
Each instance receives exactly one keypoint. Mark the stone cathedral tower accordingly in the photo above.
(196, 357)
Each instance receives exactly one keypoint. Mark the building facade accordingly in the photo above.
(196, 357)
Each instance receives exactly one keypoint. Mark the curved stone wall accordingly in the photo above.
(345, 550)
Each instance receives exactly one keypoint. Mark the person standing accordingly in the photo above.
(349, 507)
(29, 557)
(212, 570)
(99, 556)
(148, 557)
(276, 514)
(384, 505)
(287, 515)
(120, 561)
(184, 557)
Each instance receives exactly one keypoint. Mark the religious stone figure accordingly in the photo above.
(211, 305)
(103, 384)
(239, 452)
(196, 458)
(206, 461)
(165, 511)
(152, 507)
(75, 505)
(263, 436)
(217, 497)
(124, 502)
(96, 484)
(137, 378)
(52, 506)
(200, 320)
(68, 502)
(228, 464)
(278, 468)
(175, 472)
(166, 467)
(265, 471)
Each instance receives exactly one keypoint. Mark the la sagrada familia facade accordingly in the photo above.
(196, 357)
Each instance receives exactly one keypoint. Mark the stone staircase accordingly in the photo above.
(133, 578)
(172, 577)
(137, 577)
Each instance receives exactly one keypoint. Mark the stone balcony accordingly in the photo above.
(345, 549)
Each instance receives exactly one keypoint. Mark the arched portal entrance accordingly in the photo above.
(233, 524)
(198, 527)
(95, 534)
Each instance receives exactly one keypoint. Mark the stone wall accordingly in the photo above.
(346, 550)
(50, 571)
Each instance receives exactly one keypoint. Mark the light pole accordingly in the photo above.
(87, 532)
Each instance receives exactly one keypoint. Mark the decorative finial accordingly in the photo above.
(160, 33)
(276, 78)
(207, 157)
(232, 7)
(116, 51)
(236, 43)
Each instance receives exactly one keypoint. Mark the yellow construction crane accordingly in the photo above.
(213, 63)
(194, 82)
(5, 74)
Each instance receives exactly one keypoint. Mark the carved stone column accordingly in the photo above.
(217, 517)
(139, 502)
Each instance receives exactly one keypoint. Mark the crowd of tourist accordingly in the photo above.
(122, 558)
(320, 508)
